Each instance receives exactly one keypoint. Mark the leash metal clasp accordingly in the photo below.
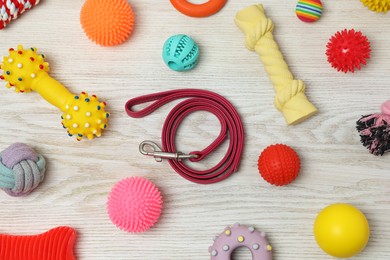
(152, 149)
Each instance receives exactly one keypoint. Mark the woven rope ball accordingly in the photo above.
(107, 22)
(21, 169)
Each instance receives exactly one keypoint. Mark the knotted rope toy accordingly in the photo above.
(374, 130)
(26, 70)
(11, 9)
(21, 169)
(57, 243)
(290, 93)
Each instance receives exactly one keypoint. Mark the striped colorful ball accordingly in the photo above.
(309, 10)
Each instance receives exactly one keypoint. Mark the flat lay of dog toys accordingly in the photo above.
(180, 52)
(347, 50)
(195, 100)
(21, 169)
(57, 243)
(240, 236)
(26, 70)
(309, 11)
(198, 10)
(107, 22)
(134, 204)
(379, 6)
(279, 164)
(290, 97)
(374, 130)
(12, 9)
(341, 230)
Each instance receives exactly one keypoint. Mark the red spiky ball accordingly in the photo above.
(347, 50)
(279, 164)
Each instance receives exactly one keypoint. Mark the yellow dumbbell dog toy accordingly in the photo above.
(26, 70)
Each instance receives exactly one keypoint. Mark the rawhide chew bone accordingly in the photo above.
(290, 97)
(11, 9)
(238, 236)
(21, 169)
(57, 243)
(26, 70)
(374, 130)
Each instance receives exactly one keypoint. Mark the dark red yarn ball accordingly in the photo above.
(347, 50)
(279, 164)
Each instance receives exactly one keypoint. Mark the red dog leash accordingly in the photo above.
(196, 100)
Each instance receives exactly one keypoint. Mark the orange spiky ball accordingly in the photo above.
(107, 22)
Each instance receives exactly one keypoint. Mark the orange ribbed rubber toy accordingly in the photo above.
(107, 22)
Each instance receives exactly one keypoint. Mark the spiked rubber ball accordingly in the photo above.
(347, 50)
(379, 6)
(279, 164)
(107, 22)
(134, 204)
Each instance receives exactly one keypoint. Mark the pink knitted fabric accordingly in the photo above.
(134, 204)
(11, 9)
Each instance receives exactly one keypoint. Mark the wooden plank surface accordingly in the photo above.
(80, 175)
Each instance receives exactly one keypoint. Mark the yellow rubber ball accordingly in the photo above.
(341, 230)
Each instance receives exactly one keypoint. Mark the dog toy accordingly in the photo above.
(134, 204)
(107, 22)
(379, 6)
(180, 52)
(279, 164)
(198, 10)
(238, 236)
(290, 93)
(12, 9)
(21, 169)
(341, 230)
(347, 49)
(195, 100)
(309, 10)
(26, 70)
(57, 243)
(374, 130)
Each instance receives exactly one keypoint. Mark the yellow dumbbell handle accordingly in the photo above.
(52, 90)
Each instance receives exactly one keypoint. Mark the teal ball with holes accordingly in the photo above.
(180, 52)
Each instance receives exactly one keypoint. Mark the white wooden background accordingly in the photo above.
(335, 166)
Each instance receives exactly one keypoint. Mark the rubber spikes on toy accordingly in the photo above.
(57, 243)
(83, 115)
(290, 97)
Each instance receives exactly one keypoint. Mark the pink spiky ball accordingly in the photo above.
(134, 204)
